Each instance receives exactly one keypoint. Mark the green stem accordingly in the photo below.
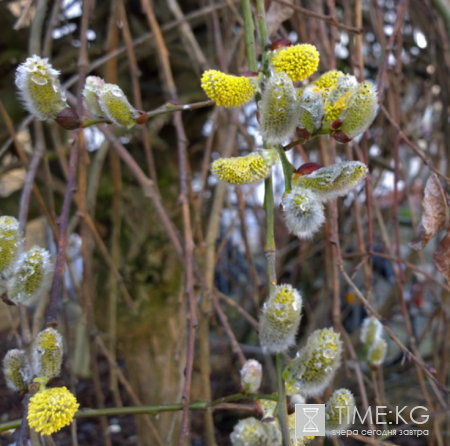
(249, 28)
(152, 410)
(269, 247)
(288, 169)
(265, 41)
(282, 406)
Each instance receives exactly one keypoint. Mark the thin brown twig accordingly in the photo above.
(326, 18)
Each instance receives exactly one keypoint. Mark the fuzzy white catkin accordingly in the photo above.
(377, 352)
(90, 93)
(39, 89)
(280, 319)
(315, 365)
(251, 375)
(31, 277)
(250, 432)
(47, 353)
(10, 246)
(17, 370)
(371, 330)
(339, 410)
(360, 111)
(337, 180)
(303, 212)
(310, 109)
(278, 112)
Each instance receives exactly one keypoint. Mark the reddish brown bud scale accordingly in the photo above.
(280, 43)
(340, 136)
(303, 134)
(143, 117)
(68, 119)
(258, 114)
(306, 169)
(249, 74)
(336, 124)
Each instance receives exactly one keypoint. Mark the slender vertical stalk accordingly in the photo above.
(282, 406)
(288, 169)
(269, 248)
(249, 28)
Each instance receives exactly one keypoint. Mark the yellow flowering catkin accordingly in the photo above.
(245, 169)
(339, 410)
(16, 369)
(39, 88)
(315, 365)
(47, 354)
(52, 409)
(303, 212)
(115, 106)
(296, 441)
(10, 246)
(333, 181)
(297, 61)
(360, 110)
(31, 276)
(310, 109)
(227, 90)
(337, 98)
(328, 81)
(280, 319)
(278, 111)
(90, 92)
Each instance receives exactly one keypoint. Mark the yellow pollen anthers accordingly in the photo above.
(39, 88)
(227, 90)
(280, 319)
(10, 245)
(328, 80)
(31, 276)
(315, 365)
(337, 97)
(297, 61)
(52, 409)
(339, 410)
(245, 169)
(115, 106)
(47, 354)
(333, 181)
(16, 369)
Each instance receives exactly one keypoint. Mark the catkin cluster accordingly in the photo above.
(303, 205)
(24, 276)
(373, 342)
(39, 88)
(336, 104)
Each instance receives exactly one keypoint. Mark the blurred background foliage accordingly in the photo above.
(149, 346)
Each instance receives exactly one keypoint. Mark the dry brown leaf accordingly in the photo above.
(434, 214)
(442, 256)
(276, 15)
